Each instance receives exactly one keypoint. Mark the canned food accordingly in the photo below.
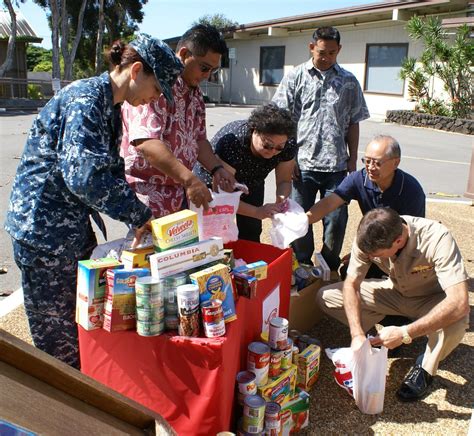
(156, 313)
(213, 318)
(188, 309)
(150, 328)
(171, 309)
(278, 333)
(245, 385)
(171, 322)
(149, 292)
(301, 277)
(296, 352)
(272, 418)
(254, 414)
(287, 356)
(264, 337)
(303, 342)
(146, 300)
(294, 334)
(258, 360)
(274, 369)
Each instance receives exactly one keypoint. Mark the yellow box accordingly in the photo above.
(138, 258)
(280, 389)
(175, 230)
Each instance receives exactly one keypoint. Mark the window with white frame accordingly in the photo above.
(383, 65)
(272, 62)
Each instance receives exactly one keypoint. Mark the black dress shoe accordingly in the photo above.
(415, 386)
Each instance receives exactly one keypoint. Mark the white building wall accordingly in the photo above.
(245, 87)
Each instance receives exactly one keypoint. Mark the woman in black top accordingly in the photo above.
(252, 149)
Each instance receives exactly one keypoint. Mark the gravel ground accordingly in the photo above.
(447, 410)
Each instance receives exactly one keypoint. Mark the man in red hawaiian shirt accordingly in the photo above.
(162, 142)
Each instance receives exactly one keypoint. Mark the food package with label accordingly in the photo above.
(294, 414)
(182, 259)
(175, 230)
(137, 258)
(215, 283)
(257, 269)
(308, 366)
(280, 389)
(91, 279)
(245, 284)
(120, 301)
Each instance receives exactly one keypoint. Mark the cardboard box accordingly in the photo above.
(215, 283)
(257, 269)
(138, 258)
(294, 414)
(182, 259)
(308, 367)
(120, 301)
(91, 280)
(304, 312)
(245, 284)
(175, 230)
(280, 389)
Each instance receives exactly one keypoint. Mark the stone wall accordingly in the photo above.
(410, 118)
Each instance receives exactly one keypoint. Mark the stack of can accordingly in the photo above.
(150, 309)
(246, 385)
(188, 310)
(258, 361)
(254, 414)
(171, 302)
(280, 349)
(272, 419)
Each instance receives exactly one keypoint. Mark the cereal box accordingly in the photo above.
(256, 269)
(182, 259)
(91, 278)
(308, 366)
(120, 302)
(280, 389)
(294, 414)
(215, 282)
(175, 230)
(138, 258)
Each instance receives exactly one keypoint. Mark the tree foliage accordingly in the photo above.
(451, 61)
(218, 20)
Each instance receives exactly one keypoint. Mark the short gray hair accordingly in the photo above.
(378, 229)
(393, 150)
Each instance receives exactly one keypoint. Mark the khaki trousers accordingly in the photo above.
(379, 298)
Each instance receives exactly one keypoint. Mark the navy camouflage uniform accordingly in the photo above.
(70, 170)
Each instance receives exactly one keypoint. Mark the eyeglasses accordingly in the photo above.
(203, 67)
(367, 161)
(269, 146)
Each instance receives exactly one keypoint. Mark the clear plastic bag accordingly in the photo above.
(220, 218)
(289, 225)
(343, 361)
(369, 374)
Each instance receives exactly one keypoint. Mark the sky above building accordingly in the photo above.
(168, 18)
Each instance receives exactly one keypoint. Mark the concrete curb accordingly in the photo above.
(11, 302)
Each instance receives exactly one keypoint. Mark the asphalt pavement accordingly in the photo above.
(439, 160)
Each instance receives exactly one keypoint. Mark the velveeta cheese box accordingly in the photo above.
(215, 283)
(174, 230)
(91, 280)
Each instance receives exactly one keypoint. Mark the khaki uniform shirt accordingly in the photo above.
(429, 263)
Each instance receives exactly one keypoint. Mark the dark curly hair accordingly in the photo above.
(272, 120)
(121, 55)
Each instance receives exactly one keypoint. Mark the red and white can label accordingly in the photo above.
(258, 361)
(213, 318)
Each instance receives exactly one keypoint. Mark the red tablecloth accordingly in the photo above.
(189, 381)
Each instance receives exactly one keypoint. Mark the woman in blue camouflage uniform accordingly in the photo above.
(70, 170)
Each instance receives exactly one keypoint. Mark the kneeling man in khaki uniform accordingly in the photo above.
(427, 283)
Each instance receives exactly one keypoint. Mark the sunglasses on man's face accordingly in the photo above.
(368, 161)
(203, 67)
(269, 146)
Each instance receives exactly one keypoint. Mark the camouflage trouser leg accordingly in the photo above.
(49, 288)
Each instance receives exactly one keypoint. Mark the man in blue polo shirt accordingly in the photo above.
(379, 184)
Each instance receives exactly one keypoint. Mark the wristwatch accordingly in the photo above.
(406, 339)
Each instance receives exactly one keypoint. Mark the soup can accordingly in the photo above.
(188, 309)
(258, 360)
(274, 369)
(150, 328)
(254, 414)
(149, 291)
(278, 333)
(272, 419)
(287, 356)
(213, 318)
(296, 352)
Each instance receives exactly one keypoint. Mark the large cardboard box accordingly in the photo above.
(304, 312)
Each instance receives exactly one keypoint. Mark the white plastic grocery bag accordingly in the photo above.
(369, 373)
(220, 218)
(289, 225)
(343, 362)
